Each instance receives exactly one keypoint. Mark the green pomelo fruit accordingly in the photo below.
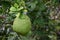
(22, 25)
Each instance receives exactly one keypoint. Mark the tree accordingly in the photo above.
(44, 16)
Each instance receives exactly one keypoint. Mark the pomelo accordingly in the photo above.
(22, 25)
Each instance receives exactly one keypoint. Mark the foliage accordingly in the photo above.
(44, 15)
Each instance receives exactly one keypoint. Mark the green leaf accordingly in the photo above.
(13, 9)
(20, 8)
(16, 5)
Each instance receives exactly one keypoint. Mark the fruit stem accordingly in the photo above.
(17, 14)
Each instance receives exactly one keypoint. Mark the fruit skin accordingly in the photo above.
(22, 25)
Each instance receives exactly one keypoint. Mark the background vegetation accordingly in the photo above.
(44, 15)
